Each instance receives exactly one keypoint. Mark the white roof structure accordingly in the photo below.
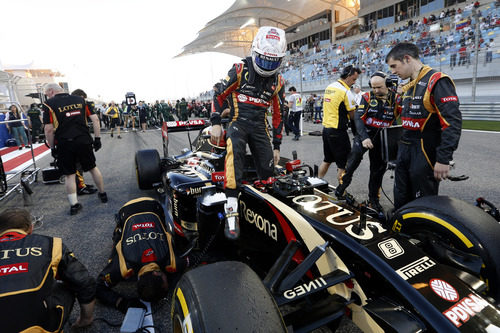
(232, 32)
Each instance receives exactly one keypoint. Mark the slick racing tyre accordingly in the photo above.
(148, 168)
(442, 222)
(224, 297)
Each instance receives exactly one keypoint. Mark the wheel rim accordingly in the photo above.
(178, 326)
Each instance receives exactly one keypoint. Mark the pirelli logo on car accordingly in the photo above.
(416, 267)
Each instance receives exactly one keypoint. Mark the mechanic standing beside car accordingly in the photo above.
(338, 108)
(377, 109)
(32, 297)
(432, 124)
(65, 118)
(251, 87)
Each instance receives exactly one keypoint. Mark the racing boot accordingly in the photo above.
(340, 191)
(232, 220)
(376, 206)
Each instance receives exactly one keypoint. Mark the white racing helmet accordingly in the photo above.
(268, 50)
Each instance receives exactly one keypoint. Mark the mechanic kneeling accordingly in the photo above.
(142, 249)
(39, 278)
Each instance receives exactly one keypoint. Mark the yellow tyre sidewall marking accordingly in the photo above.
(442, 222)
(185, 311)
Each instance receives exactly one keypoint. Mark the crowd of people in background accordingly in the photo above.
(453, 39)
(111, 116)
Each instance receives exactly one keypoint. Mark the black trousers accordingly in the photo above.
(414, 176)
(294, 122)
(377, 165)
(241, 132)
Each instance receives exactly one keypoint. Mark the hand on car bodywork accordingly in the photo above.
(215, 134)
(441, 171)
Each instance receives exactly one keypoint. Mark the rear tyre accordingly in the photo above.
(459, 225)
(148, 168)
(224, 297)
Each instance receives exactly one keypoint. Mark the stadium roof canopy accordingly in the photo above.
(232, 32)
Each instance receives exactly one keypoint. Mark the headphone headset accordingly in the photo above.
(388, 81)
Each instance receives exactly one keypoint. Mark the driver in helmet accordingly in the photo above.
(251, 87)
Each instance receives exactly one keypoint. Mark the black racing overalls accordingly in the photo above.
(371, 116)
(432, 125)
(249, 96)
(140, 238)
(29, 293)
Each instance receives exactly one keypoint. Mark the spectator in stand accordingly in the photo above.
(489, 51)
(453, 56)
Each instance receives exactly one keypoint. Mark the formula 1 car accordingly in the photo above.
(304, 259)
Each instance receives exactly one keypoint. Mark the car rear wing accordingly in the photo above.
(181, 126)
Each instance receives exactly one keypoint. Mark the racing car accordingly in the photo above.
(305, 259)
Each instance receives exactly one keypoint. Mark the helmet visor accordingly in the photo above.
(267, 63)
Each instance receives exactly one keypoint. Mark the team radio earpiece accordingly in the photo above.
(388, 81)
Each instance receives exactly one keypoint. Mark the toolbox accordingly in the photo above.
(52, 175)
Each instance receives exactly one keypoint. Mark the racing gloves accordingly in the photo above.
(97, 143)
(232, 226)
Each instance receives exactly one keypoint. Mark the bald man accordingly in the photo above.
(378, 109)
(65, 117)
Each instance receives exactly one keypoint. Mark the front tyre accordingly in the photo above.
(148, 168)
(455, 224)
(224, 297)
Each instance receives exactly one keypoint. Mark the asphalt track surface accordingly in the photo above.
(88, 234)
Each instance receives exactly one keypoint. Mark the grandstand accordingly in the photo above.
(443, 41)
(324, 36)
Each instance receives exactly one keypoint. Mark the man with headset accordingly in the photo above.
(378, 109)
(338, 108)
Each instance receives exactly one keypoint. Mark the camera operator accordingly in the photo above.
(377, 109)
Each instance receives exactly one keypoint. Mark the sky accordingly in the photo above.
(110, 47)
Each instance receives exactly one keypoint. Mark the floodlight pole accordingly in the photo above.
(476, 50)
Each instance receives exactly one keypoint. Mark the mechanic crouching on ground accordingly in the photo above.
(65, 118)
(377, 109)
(253, 86)
(432, 124)
(39, 278)
(142, 249)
